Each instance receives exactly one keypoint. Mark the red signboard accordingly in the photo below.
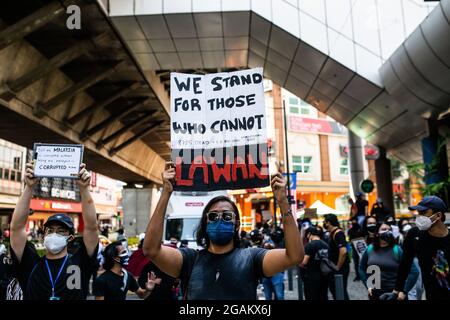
(54, 206)
(323, 126)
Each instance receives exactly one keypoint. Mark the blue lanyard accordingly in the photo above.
(57, 277)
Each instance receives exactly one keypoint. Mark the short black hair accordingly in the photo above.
(109, 253)
(443, 217)
(313, 231)
(332, 219)
(202, 238)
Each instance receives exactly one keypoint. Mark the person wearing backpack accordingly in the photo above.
(385, 254)
(337, 253)
(315, 282)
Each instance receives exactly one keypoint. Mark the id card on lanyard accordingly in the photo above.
(53, 283)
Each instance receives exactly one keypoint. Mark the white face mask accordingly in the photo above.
(423, 222)
(55, 243)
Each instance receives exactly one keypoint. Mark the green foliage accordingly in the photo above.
(422, 171)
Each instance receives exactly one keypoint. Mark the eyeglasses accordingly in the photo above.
(214, 216)
(60, 231)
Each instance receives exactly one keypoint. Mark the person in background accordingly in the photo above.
(115, 282)
(337, 252)
(362, 206)
(355, 232)
(137, 259)
(353, 208)
(185, 244)
(121, 237)
(245, 242)
(386, 255)
(417, 290)
(4, 277)
(380, 211)
(369, 228)
(430, 242)
(274, 285)
(315, 283)
(390, 220)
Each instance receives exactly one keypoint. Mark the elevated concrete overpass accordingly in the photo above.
(79, 86)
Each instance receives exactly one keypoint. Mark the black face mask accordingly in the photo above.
(387, 236)
(371, 228)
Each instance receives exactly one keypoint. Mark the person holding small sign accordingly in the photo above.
(58, 275)
(222, 270)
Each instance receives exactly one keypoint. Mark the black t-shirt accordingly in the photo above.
(337, 240)
(312, 249)
(361, 205)
(434, 257)
(230, 276)
(112, 286)
(73, 283)
(162, 291)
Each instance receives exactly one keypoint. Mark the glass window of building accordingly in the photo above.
(17, 163)
(293, 104)
(302, 164)
(343, 166)
(305, 108)
(6, 174)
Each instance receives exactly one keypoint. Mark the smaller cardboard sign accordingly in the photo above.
(57, 160)
(360, 245)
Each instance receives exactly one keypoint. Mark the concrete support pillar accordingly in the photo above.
(384, 179)
(137, 204)
(356, 161)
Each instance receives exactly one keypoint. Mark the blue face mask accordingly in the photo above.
(220, 232)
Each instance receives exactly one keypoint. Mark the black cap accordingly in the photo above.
(430, 202)
(61, 218)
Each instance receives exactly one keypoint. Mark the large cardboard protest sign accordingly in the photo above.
(218, 130)
(57, 160)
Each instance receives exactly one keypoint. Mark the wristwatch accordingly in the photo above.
(287, 214)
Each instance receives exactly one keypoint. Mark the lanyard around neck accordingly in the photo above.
(57, 277)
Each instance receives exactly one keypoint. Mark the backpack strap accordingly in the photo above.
(125, 280)
(333, 233)
(396, 252)
(369, 248)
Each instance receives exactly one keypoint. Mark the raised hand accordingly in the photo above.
(30, 179)
(152, 281)
(278, 185)
(168, 177)
(84, 177)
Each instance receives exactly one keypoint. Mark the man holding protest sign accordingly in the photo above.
(219, 142)
(223, 270)
(58, 275)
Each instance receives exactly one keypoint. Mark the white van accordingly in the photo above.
(184, 213)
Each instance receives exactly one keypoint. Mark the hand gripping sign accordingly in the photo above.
(57, 160)
(218, 130)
